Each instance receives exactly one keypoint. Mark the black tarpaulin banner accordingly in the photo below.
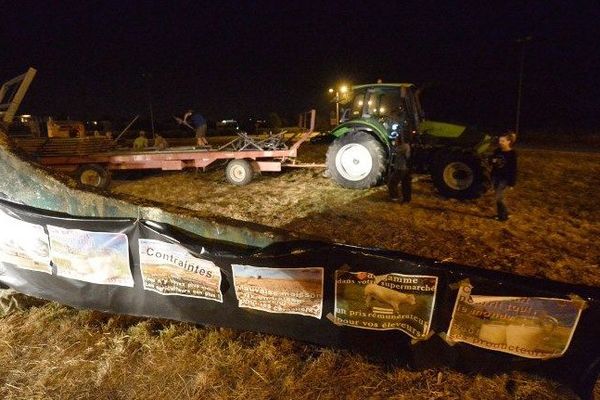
(387, 305)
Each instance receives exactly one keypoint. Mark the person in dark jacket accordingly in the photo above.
(197, 122)
(400, 172)
(504, 172)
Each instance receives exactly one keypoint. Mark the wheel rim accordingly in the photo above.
(458, 176)
(90, 177)
(237, 173)
(354, 162)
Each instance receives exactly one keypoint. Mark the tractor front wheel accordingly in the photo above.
(356, 160)
(458, 175)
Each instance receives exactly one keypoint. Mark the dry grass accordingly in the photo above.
(552, 231)
(52, 351)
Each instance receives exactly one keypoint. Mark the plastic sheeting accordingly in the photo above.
(385, 304)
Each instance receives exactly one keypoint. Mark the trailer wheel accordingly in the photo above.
(93, 175)
(239, 172)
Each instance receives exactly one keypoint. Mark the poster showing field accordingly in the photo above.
(383, 302)
(169, 269)
(531, 327)
(95, 257)
(24, 245)
(280, 290)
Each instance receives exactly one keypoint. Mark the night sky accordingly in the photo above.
(229, 59)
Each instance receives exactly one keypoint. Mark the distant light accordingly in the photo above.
(95, 122)
(26, 116)
(330, 90)
(369, 102)
(381, 110)
(360, 103)
(224, 121)
(344, 89)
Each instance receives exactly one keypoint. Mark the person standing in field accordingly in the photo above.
(197, 122)
(504, 172)
(400, 169)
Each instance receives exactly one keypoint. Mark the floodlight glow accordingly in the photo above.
(344, 89)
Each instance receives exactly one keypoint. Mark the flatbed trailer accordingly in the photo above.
(246, 156)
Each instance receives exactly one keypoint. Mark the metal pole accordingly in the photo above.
(337, 107)
(126, 128)
(149, 94)
(523, 42)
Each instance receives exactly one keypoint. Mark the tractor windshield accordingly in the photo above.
(376, 103)
(357, 105)
(385, 103)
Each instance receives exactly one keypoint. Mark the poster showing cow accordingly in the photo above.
(95, 257)
(169, 269)
(280, 290)
(383, 302)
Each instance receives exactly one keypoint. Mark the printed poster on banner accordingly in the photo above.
(24, 245)
(280, 290)
(169, 269)
(531, 327)
(383, 302)
(95, 257)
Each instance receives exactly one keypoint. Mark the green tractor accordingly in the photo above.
(454, 155)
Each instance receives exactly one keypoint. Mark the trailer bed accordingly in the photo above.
(245, 156)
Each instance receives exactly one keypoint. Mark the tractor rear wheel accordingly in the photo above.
(458, 175)
(93, 175)
(356, 160)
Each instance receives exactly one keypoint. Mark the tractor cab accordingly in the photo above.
(385, 104)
